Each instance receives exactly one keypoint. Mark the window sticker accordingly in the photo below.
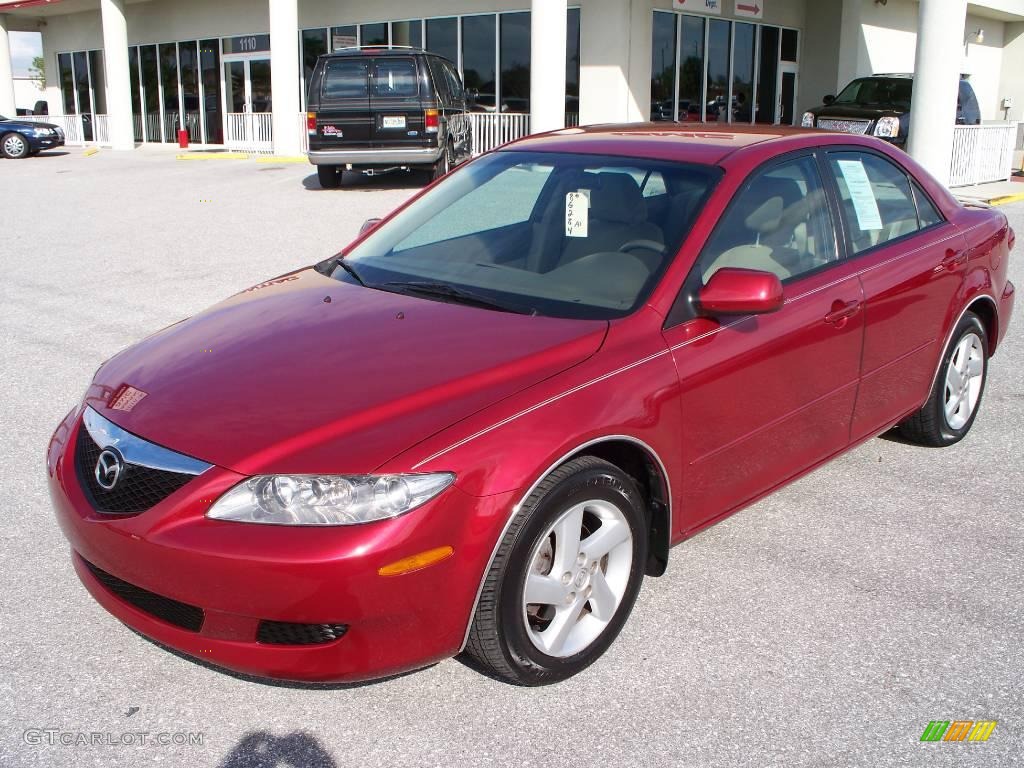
(577, 213)
(861, 195)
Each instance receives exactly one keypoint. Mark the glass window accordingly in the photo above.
(572, 68)
(373, 34)
(344, 37)
(515, 62)
(169, 81)
(99, 82)
(209, 63)
(234, 83)
(408, 33)
(663, 66)
(394, 78)
(510, 209)
(691, 69)
(443, 38)
(875, 197)
(188, 65)
(346, 79)
(743, 72)
(454, 83)
(314, 44)
(877, 91)
(927, 214)
(133, 67)
(82, 81)
(790, 44)
(67, 82)
(478, 61)
(151, 91)
(767, 76)
(778, 223)
(718, 70)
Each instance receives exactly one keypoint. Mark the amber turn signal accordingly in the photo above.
(416, 562)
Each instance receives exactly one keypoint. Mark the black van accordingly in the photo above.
(374, 109)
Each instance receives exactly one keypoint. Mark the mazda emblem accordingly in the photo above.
(109, 466)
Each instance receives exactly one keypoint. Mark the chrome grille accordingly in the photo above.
(859, 127)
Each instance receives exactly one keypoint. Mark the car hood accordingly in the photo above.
(25, 124)
(307, 374)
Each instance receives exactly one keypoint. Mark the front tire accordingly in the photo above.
(955, 399)
(565, 576)
(329, 176)
(14, 146)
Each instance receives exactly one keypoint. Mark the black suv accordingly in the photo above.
(880, 106)
(378, 109)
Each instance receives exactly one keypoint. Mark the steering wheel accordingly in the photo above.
(649, 245)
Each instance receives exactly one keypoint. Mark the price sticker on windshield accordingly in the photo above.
(577, 214)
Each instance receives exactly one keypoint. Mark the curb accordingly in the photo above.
(1005, 199)
(275, 159)
(213, 156)
(90, 152)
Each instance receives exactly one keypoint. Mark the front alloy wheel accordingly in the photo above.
(565, 576)
(14, 146)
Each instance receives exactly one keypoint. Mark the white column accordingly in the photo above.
(547, 64)
(7, 106)
(940, 44)
(119, 82)
(284, 75)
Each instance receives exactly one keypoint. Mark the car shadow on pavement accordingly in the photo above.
(358, 182)
(272, 682)
(260, 749)
(53, 153)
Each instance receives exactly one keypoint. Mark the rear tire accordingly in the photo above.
(14, 146)
(953, 404)
(329, 176)
(564, 578)
(443, 166)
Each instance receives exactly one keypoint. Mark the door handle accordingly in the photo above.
(952, 259)
(841, 312)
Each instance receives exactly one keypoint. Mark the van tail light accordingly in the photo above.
(431, 121)
(311, 123)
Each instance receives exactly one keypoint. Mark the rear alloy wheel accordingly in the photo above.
(329, 176)
(565, 576)
(951, 408)
(14, 146)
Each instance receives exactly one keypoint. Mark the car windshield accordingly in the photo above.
(877, 92)
(561, 235)
(4, 118)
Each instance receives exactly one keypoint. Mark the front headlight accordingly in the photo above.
(327, 499)
(41, 132)
(807, 121)
(887, 127)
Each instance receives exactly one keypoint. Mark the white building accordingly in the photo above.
(140, 69)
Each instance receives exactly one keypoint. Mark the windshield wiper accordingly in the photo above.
(453, 294)
(352, 271)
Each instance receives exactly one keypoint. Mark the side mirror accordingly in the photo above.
(828, 100)
(732, 291)
(368, 225)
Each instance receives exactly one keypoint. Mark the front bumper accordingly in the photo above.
(241, 574)
(374, 157)
(43, 143)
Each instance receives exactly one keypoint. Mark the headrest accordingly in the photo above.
(617, 197)
(766, 218)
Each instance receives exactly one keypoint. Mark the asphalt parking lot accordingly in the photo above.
(825, 626)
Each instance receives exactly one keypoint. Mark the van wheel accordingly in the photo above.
(329, 176)
(443, 166)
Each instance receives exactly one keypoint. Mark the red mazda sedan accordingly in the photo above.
(479, 427)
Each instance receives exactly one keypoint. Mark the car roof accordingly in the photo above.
(376, 50)
(704, 144)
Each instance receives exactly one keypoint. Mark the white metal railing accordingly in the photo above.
(250, 132)
(101, 129)
(70, 124)
(492, 129)
(982, 153)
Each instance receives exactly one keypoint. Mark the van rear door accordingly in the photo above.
(396, 85)
(344, 119)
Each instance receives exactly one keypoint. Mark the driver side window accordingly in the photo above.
(779, 223)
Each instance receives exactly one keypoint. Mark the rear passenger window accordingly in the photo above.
(454, 83)
(345, 79)
(875, 195)
(778, 223)
(395, 77)
(927, 214)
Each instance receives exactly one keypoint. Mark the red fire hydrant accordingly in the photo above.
(183, 138)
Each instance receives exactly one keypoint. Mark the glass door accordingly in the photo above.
(787, 93)
(247, 94)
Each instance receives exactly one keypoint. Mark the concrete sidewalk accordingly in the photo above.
(993, 193)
